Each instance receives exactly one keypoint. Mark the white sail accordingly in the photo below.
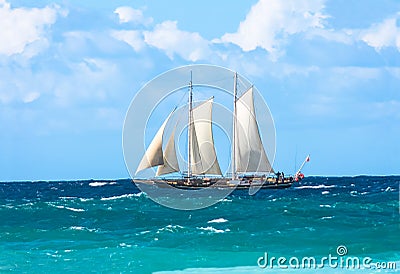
(195, 158)
(203, 155)
(170, 160)
(154, 153)
(249, 151)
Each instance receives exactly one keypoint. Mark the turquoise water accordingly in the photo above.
(111, 226)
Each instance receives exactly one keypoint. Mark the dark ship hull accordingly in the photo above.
(240, 183)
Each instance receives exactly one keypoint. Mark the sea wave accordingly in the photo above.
(82, 228)
(219, 220)
(315, 187)
(389, 189)
(325, 206)
(123, 196)
(213, 230)
(97, 184)
(170, 228)
(72, 208)
(68, 208)
(225, 200)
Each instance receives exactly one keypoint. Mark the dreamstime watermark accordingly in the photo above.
(339, 260)
(169, 90)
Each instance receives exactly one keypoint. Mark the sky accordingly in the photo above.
(328, 70)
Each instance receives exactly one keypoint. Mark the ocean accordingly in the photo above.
(113, 227)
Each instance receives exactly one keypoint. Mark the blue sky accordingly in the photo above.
(329, 71)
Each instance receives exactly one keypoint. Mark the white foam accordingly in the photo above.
(316, 187)
(213, 230)
(120, 197)
(325, 206)
(219, 220)
(69, 208)
(75, 209)
(389, 189)
(124, 245)
(77, 228)
(325, 192)
(94, 184)
(82, 228)
(170, 228)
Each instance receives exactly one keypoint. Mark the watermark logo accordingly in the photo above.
(171, 90)
(341, 250)
(339, 260)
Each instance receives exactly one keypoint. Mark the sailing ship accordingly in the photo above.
(250, 166)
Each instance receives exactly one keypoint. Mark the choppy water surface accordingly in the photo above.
(110, 226)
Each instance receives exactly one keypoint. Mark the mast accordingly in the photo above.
(234, 127)
(190, 126)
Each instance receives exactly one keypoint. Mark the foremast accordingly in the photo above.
(233, 150)
(190, 125)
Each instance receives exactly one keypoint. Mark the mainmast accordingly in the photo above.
(233, 160)
(189, 174)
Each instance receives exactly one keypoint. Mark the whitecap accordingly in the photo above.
(170, 228)
(389, 189)
(325, 206)
(316, 187)
(75, 209)
(225, 200)
(325, 192)
(82, 228)
(94, 184)
(124, 245)
(119, 197)
(77, 228)
(69, 208)
(219, 220)
(68, 198)
(213, 230)
(327, 217)
(85, 199)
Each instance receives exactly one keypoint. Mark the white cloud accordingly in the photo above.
(166, 36)
(20, 27)
(345, 36)
(90, 82)
(128, 14)
(269, 22)
(133, 38)
(384, 34)
(30, 97)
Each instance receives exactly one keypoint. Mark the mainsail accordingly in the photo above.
(203, 156)
(249, 151)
